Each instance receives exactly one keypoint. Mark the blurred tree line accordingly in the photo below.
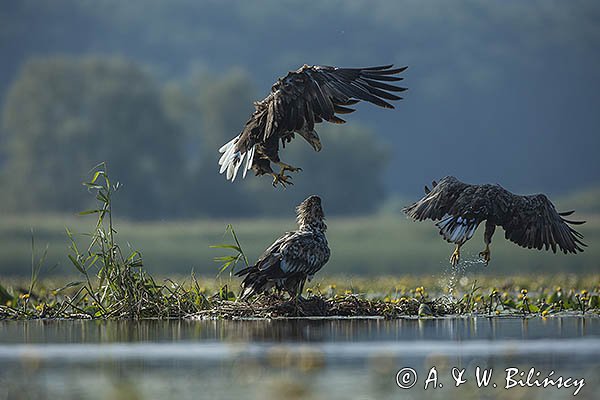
(63, 115)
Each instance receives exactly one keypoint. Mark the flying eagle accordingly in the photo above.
(529, 221)
(293, 258)
(297, 102)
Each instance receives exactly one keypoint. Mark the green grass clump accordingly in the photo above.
(115, 283)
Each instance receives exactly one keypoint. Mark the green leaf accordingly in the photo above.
(87, 212)
(102, 197)
(96, 175)
(224, 258)
(92, 185)
(225, 246)
(76, 264)
(68, 285)
(534, 308)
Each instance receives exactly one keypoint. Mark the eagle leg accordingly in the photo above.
(485, 254)
(490, 227)
(301, 289)
(455, 257)
(282, 179)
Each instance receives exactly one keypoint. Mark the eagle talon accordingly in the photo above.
(282, 179)
(287, 167)
(485, 254)
(455, 257)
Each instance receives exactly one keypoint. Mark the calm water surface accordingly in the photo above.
(312, 359)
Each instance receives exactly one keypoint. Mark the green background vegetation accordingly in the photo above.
(370, 245)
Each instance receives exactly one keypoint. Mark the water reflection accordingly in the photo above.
(301, 330)
(298, 359)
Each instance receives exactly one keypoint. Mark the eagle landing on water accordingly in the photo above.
(297, 102)
(293, 258)
(529, 221)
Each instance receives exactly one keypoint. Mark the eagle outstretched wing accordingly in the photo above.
(459, 208)
(314, 94)
(440, 201)
(300, 100)
(535, 223)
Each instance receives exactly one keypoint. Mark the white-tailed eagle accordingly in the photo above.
(529, 221)
(297, 102)
(293, 258)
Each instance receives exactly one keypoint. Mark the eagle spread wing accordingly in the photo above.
(535, 223)
(457, 206)
(297, 102)
(295, 255)
(529, 221)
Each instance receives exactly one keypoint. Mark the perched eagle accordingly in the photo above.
(529, 221)
(296, 103)
(292, 258)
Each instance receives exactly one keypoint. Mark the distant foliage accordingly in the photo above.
(64, 114)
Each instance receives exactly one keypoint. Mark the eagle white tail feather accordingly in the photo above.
(457, 229)
(249, 162)
(231, 160)
(227, 145)
(227, 149)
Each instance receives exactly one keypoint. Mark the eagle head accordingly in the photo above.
(310, 213)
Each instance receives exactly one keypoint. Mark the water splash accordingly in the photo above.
(453, 276)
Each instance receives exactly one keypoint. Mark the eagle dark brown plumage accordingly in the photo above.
(529, 221)
(293, 258)
(297, 102)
